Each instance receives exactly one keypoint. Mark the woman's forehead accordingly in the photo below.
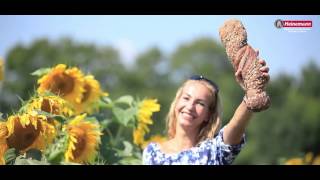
(197, 89)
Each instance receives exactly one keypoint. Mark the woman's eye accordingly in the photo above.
(201, 104)
(186, 98)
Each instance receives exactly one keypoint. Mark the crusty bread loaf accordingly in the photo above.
(241, 55)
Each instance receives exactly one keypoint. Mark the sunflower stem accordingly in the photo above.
(119, 132)
(112, 140)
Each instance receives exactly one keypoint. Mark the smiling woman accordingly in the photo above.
(193, 125)
(196, 106)
(195, 114)
(193, 121)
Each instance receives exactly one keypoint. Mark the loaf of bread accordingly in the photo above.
(241, 55)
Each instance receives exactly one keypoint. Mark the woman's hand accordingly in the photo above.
(264, 70)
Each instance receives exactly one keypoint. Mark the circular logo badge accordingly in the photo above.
(278, 23)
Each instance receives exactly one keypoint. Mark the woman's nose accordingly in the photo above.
(190, 105)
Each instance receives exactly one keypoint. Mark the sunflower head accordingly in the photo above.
(3, 143)
(139, 133)
(28, 131)
(3, 130)
(294, 161)
(146, 108)
(67, 83)
(84, 140)
(23, 131)
(92, 93)
(51, 104)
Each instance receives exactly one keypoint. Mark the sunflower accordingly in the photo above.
(68, 83)
(51, 104)
(29, 131)
(3, 143)
(308, 158)
(294, 161)
(139, 133)
(146, 108)
(90, 96)
(84, 139)
(1, 69)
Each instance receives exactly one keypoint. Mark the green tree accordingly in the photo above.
(103, 62)
(290, 127)
(309, 84)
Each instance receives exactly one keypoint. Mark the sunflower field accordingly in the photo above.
(70, 120)
(69, 102)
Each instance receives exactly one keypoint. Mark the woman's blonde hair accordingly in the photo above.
(208, 128)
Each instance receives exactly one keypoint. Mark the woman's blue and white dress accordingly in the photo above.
(209, 152)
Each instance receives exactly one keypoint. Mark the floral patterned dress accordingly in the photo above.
(209, 152)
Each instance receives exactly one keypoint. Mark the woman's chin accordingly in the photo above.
(186, 122)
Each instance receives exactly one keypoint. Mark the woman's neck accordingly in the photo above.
(184, 140)
(182, 143)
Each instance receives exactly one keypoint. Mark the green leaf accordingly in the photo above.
(23, 161)
(56, 157)
(40, 72)
(127, 99)
(10, 156)
(69, 163)
(105, 123)
(59, 118)
(124, 116)
(127, 151)
(119, 114)
(130, 161)
(106, 99)
(55, 153)
(105, 102)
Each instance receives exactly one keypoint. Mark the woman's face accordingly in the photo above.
(192, 107)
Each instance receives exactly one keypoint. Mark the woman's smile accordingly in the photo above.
(187, 115)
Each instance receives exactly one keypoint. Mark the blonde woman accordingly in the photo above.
(194, 122)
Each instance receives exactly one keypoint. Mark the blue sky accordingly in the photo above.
(284, 51)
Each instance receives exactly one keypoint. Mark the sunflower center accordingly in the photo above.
(86, 93)
(22, 137)
(63, 84)
(45, 106)
(80, 145)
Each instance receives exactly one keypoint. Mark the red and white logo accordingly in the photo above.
(297, 24)
(294, 25)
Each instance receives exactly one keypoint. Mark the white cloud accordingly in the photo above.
(127, 51)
